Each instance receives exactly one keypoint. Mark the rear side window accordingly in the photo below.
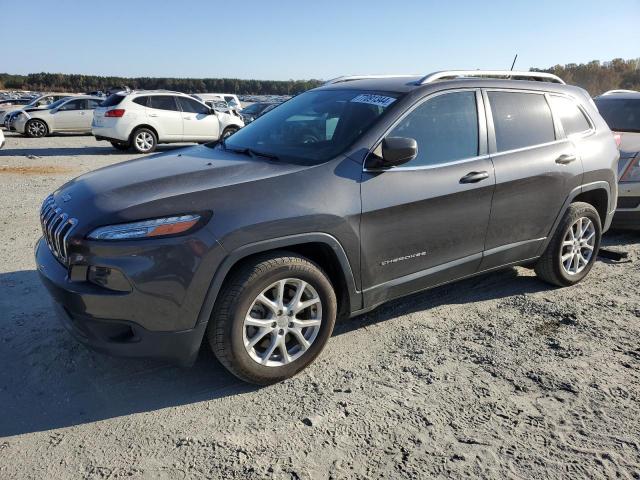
(141, 101)
(92, 104)
(191, 106)
(572, 119)
(163, 102)
(445, 128)
(621, 114)
(112, 100)
(520, 120)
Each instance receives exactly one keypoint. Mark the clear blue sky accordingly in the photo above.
(282, 39)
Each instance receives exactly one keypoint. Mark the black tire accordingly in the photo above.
(149, 137)
(120, 146)
(550, 266)
(226, 332)
(36, 128)
(227, 132)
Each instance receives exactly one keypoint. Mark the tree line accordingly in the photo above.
(595, 76)
(62, 82)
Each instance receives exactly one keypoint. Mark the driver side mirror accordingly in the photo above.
(392, 152)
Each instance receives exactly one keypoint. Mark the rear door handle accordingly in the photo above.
(473, 177)
(153, 114)
(565, 159)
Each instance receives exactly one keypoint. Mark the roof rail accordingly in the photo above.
(539, 76)
(348, 78)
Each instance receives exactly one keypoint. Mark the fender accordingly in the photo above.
(355, 296)
(572, 195)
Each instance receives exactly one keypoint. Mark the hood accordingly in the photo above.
(170, 183)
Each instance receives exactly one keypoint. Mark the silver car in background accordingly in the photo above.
(70, 114)
(621, 110)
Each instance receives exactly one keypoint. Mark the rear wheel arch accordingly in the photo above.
(598, 198)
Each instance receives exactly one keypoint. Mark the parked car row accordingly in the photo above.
(128, 119)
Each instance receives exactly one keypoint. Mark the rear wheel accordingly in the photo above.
(120, 146)
(36, 128)
(273, 317)
(144, 140)
(573, 248)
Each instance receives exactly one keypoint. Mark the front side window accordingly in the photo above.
(621, 114)
(445, 128)
(163, 102)
(520, 120)
(191, 106)
(72, 105)
(572, 119)
(314, 126)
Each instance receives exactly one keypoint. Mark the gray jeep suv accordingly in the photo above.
(346, 196)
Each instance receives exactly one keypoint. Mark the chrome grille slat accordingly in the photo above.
(57, 226)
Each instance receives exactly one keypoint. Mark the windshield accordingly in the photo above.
(313, 127)
(621, 114)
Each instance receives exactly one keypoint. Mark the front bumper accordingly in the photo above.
(93, 315)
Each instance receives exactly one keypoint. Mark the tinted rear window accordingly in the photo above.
(621, 114)
(141, 101)
(163, 102)
(571, 117)
(521, 120)
(112, 100)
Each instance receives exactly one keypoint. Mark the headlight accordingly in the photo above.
(145, 229)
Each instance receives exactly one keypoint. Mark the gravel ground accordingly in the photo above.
(497, 376)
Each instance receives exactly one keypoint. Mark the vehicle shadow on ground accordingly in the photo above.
(48, 380)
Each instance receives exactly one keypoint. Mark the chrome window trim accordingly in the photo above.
(531, 147)
(482, 142)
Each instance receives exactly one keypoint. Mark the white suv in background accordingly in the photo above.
(142, 119)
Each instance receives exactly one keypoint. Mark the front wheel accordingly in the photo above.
(36, 128)
(227, 132)
(273, 317)
(144, 140)
(573, 248)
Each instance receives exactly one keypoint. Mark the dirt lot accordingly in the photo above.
(497, 376)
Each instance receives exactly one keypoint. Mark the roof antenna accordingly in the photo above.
(514, 62)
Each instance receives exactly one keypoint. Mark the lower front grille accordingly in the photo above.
(56, 228)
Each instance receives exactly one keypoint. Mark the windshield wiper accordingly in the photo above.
(249, 152)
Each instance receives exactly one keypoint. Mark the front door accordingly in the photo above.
(69, 115)
(425, 222)
(198, 122)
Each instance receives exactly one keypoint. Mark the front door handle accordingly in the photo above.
(473, 177)
(565, 159)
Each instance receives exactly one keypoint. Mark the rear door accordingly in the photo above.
(166, 117)
(197, 121)
(425, 222)
(536, 167)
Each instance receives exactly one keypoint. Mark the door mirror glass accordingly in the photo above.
(392, 152)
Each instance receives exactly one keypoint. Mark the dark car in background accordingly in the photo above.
(255, 110)
(621, 111)
(349, 195)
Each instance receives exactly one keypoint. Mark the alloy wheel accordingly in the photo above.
(144, 141)
(282, 322)
(578, 246)
(37, 128)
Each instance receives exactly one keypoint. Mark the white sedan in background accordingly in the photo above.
(71, 114)
(1, 139)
